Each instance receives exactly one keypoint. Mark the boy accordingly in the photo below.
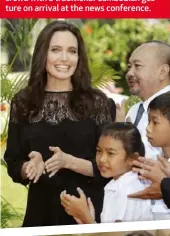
(158, 134)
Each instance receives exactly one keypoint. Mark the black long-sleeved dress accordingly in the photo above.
(55, 125)
(165, 189)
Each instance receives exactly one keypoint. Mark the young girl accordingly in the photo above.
(118, 146)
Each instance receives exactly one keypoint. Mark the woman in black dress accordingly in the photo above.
(56, 119)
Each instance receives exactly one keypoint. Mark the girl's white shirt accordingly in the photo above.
(160, 207)
(118, 206)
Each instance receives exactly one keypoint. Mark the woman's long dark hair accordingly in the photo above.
(81, 99)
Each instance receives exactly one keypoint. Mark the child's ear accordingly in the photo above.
(133, 157)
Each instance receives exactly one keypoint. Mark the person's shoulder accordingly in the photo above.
(17, 98)
(112, 103)
(136, 185)
(98, 94)
(135, 106)
(133, 109)
(131, 183)
(102, 98)
(99, 97)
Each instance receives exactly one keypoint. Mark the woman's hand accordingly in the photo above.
(34, 168)
(80, 208)
(56, 162)
(60, 160)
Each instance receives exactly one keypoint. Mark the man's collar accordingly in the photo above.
(147, 102)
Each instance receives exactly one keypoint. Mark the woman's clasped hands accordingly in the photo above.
(36, 166)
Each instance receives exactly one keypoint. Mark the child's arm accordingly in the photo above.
(80, 208)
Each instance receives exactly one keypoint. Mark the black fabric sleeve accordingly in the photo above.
(165, 189)
(112, 109)
(14, 154)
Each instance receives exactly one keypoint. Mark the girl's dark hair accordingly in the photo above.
(161, 103)
(81, 99)
(128, 134)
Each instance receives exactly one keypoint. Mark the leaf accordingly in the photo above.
(102, 75)
(10, 87)
(8, 214)
(3, 163)
(131, 101)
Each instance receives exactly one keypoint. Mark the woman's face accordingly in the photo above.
(62, 56)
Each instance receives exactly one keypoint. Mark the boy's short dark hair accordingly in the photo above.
(128, 134)
(161, 103)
